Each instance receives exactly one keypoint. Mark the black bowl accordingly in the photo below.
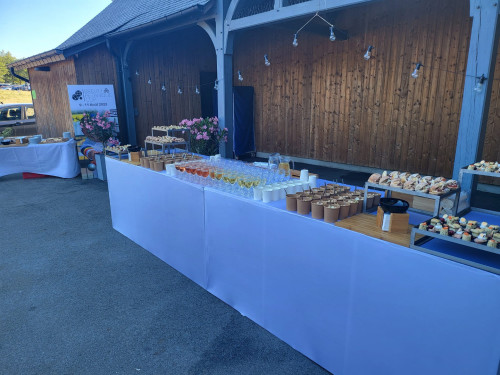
(6, 142)
(394, 206)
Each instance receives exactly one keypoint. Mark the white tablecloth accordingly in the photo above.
(53, 159)
(354, 304)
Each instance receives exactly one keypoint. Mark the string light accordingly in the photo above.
(332, 35)
(266, 60)
(479, 85)
(179, 90)
(368, 53)
(415, 72)
(295, 42)
(163, 88)
(197, 90)
(240, 77)
(216, 86)
(149, 81)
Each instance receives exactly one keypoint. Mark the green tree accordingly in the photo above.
(5, 76)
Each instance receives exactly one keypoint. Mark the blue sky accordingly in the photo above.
(29, 27)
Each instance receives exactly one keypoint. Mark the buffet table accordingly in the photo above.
(54, 159)
(352, 303)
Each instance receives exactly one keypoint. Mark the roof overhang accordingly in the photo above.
(43, 58)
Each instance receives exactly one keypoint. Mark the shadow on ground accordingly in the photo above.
(76, 297)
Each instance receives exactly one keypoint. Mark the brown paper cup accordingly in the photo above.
(135, 156)
(291, 202)
(331, 214)
(304, 206)
(353, 207)
(158, 165)
(360, 206)
(344, 211)
(317, 209)
(145, 162)
(369, 201)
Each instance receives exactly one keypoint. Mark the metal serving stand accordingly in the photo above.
(167, 146)
(475, 173)
(428, 236)
(437, 198)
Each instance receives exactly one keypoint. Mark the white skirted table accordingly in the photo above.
(53, 159)
(354, 304)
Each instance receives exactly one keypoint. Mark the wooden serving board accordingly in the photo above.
(367, 224)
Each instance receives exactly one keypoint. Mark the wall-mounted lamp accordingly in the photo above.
(266, 60)
(295, 42)
(149, 81)
(179, 90)
(240, 77)
(163, 88)
(368, 53)
(136, 72)
(216, 86)
(332, 35)
(479, 85)
(415, 72)
(197, 90)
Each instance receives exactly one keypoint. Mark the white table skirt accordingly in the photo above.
(354, 304)
(54, 159)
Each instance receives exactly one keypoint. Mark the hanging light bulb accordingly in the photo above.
(266, 60)
(163, 88)
(295, 42)
(240, 77)
(197, 90)
(332, 35)
(368, 53)
(136, 72)
(149, 81)
(179, 90)
(479, 85)
(216, 86)
(415, 72)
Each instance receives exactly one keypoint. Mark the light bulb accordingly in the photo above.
(136, 72)
(266, 61)
(149, 81)
(240, 77)
(332, 34)
(415, 72)
(163, 88)
(179, 90)
(197, 90)
(368, 53)
(479, 85)
(216, 86)
(295, 42)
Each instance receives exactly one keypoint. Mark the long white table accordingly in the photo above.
(54, 159)
(352, 303)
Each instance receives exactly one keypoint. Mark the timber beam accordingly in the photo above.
(475, 105)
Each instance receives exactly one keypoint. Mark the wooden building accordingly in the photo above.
(320, 100)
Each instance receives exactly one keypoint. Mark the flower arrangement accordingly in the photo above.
(205, 134)
(99, 128)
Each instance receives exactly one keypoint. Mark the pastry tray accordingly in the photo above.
(484, 250)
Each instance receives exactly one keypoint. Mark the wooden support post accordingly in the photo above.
(475, 105)
(224, 52)
(128, 100)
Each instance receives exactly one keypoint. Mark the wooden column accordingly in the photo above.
(126, 89)
(481, 60)
(224, 52)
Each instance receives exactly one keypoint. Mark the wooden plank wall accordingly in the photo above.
(174, 59)
(53, 115)
(96, 66)
(322, 100)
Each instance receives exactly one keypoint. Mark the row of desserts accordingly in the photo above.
(461, 228)
(169, 127)
(485, 166)
(164, 139)
(414, 182)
